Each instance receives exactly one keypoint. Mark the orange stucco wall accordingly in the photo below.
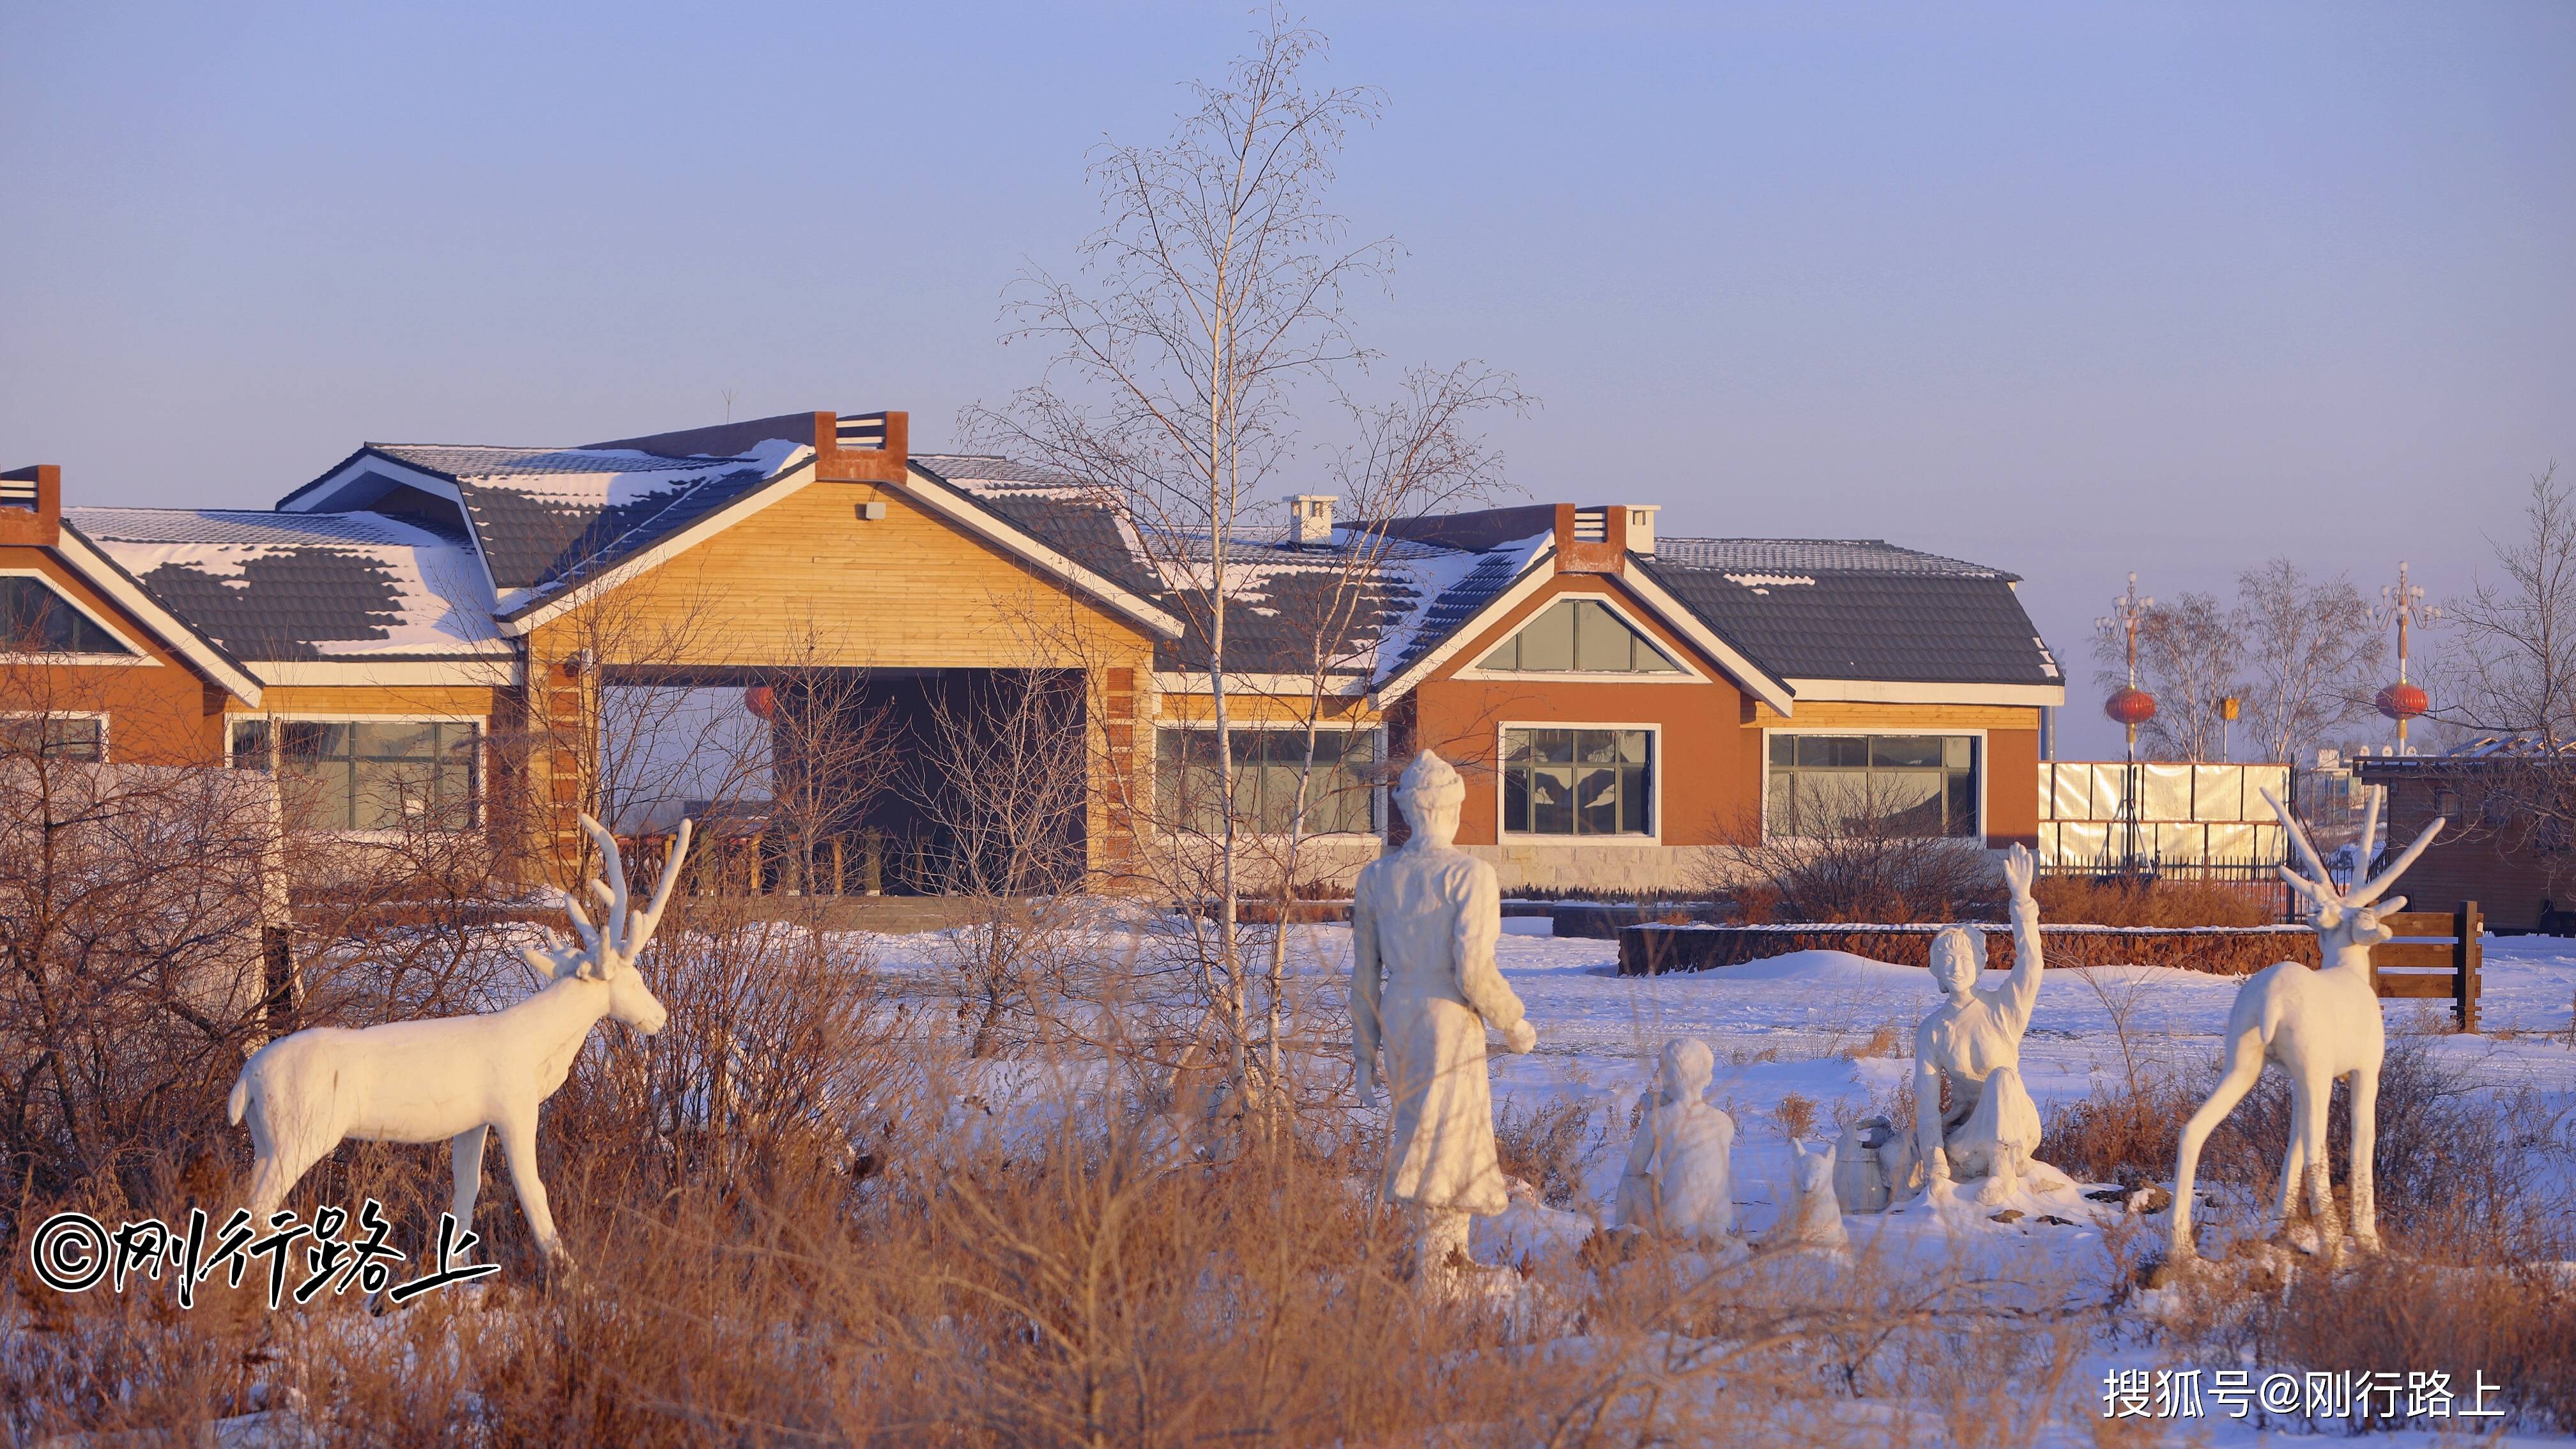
(1710, 749)
(1710, 773)
(159, 711)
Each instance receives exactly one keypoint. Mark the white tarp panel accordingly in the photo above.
(2165, 792)
(2106, 792)
(2181, 844)
(2232, 843)
(2048, 840)
(2218, 792)
(2275, 778)
(2083, 842)
(2271, 844)
(2071, 797)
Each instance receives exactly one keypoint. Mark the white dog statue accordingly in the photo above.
(1815, 1215)
(451, 1078)
(2320, 1025)
(1681, 1177)
(1424, 989)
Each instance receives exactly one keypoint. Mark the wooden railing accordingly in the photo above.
(2436, 955)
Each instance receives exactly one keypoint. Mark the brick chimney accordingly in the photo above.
(31, 505)
(862, 447)
(1594, 539)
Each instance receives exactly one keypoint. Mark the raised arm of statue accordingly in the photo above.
(1480, 925)
(2022, 992)
(1367, 981)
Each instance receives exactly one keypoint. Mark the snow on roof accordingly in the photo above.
(274, 586)
(544, 516)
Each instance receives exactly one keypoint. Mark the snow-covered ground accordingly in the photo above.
(1837, 1029)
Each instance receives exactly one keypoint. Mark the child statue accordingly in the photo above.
(1971, 1044)
(1680, 1179)
(1424, 920)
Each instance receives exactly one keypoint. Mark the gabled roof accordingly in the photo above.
(191, 642)
(543, 518)
(305, 586)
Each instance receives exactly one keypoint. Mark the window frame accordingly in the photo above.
(1984, 771)
(1654, 731)
(99, 715)
(1684, 670)
(1377, 801)
(481, 724)
(136, 654)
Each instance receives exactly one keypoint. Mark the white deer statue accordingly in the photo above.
(2320, 1025)
(451, 1078)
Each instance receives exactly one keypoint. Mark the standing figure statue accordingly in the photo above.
(1424, 921)
(1681, 1176)
(1971, 1044)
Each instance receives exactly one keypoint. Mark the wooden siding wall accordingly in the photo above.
(809, 583)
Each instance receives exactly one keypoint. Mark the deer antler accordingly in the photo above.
(2379, 884)
(2318, 884)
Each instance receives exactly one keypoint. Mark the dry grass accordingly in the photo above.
(2084, 900)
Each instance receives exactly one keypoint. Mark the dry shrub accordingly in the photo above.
(2112, 901)
(1796, 1114)
(1858, 869)
(1547, 1146)
(2131, 1137)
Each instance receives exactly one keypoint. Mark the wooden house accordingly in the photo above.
(434, 637)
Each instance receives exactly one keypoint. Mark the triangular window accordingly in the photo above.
(36, 620)
(1579, 636)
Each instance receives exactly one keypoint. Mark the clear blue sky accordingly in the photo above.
(2066, 289)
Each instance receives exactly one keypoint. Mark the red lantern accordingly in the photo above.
(761, 700)
(2402, 701)
(2130, 707)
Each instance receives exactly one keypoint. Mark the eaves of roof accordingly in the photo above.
(192, 643)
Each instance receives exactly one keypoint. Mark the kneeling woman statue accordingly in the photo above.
(1424, 920)
(1971, 1044)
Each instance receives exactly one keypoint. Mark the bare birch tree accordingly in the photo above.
(1208, 304)
(2310, 655)
(2189, 658)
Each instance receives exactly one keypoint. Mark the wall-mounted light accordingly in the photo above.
(871, 512)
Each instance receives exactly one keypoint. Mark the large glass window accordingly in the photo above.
(53, 736)
(1578, 636)
(367, 774)
(1340, 793)
(1578, 782)
(36, 620)
(1915, 786)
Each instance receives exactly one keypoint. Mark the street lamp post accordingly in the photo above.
(2131, 707)
(2403, 606)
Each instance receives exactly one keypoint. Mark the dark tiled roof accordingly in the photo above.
(546, 516)
(1811, 555)
(1898, 616)
(302, 586)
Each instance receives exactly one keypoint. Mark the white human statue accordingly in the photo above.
(2321, 1025)
(1681, 1178)
(452, 1078)
(1971, 1043)
(1424, 989)
(1815, 1215)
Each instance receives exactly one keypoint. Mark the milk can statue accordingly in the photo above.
(1971, 1044)
(1424, 990)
